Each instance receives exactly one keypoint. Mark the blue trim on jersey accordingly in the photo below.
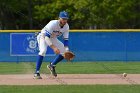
(48, 34)
(66, 42)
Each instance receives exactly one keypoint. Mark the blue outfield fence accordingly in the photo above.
(88, 45)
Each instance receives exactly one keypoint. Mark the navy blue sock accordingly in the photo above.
(57, 59)
(38, 63)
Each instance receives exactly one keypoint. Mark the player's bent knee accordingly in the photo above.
(42, 53)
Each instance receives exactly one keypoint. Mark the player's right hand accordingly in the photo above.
(56, 50)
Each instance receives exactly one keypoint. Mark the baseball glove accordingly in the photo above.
(69, 55)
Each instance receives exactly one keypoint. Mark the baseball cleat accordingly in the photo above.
(52, 70)
(37, 76)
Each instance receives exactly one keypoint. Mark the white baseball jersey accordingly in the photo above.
(52, 30)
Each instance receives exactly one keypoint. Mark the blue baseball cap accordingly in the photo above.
(63, 14)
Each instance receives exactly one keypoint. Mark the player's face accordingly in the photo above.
(63, 21)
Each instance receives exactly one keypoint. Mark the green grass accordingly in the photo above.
(99, 68)
(14, 68)
(73, 68)
(72, 89)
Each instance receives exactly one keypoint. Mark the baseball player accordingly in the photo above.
(48, 37)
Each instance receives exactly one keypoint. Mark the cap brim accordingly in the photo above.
(64, 17)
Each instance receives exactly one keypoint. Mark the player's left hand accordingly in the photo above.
(69, 55)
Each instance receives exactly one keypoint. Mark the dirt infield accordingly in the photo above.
(69, 79)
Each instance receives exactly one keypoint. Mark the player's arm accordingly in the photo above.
(48, 31)
(66, 44)
(49, 42)
(66, 39)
